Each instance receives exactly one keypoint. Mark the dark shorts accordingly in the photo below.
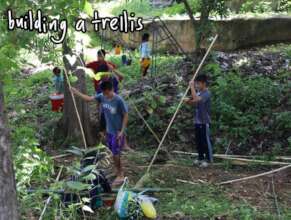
(113, 144)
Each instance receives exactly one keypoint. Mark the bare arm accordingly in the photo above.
(189, 101)
(195, 97)
(82, 96)
(124, 125)
(124, 122)
(116, 72)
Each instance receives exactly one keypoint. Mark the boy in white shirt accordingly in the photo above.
(145, 53)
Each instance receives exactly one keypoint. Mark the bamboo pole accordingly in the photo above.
(180, 104)
(146, 123)
(50, 197)
(255, 176)
(76, 109)
(237, 158)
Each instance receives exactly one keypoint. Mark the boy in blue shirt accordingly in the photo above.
(116, 116)
(202, 100)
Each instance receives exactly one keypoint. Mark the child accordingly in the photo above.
(58, 81)
(100, 66)
(116, 116)
(145, 53)
(202, 100)
(104, 66)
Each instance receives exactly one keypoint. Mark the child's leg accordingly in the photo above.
(199, 143)
(115, 146)
(207, 147)
(146, 70)
(145, 64)
(118, 166)
(209, 152)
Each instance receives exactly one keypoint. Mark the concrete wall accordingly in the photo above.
(234, 34)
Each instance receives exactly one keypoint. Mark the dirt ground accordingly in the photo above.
(261, 193)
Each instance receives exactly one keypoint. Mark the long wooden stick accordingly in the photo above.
(186, 181)
(76, 109)
(180, 104)
(60, 156)
(236, 158)
(50, 197)
(232, 155)
(146, 123)
(255, 176)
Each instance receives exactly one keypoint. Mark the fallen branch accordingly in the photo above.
(61, 156)
(50, 197)
(264, 162)
(237, 158)
(191, 182)
(255, 176)
(147, 190)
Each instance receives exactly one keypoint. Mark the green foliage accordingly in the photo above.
(266, 6)
(256, 6)
(140, 8)
(284, 6)
(33, 167)
(179, 8)
(32, 164)
(283, 120)
(241, 103)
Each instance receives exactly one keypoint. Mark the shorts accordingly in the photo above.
(145, 64)
(113, 144)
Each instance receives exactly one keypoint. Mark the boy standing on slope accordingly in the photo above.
(145, 54)
(202, 100)
(116, 116)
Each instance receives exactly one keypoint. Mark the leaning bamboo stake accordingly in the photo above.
(236, 158)
(76, 109)
(177, 110)
(255, 176)
(50, 197)
(181, 102)
(146, 123)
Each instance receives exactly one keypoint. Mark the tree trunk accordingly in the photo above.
(189, 12)
(70, 124)
(203, 25)
(198, 26)
(8, 197)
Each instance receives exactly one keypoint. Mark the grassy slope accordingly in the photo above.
(28, 105)
(32, 124)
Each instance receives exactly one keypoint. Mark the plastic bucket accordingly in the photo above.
(108, 201)
(57, 102)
